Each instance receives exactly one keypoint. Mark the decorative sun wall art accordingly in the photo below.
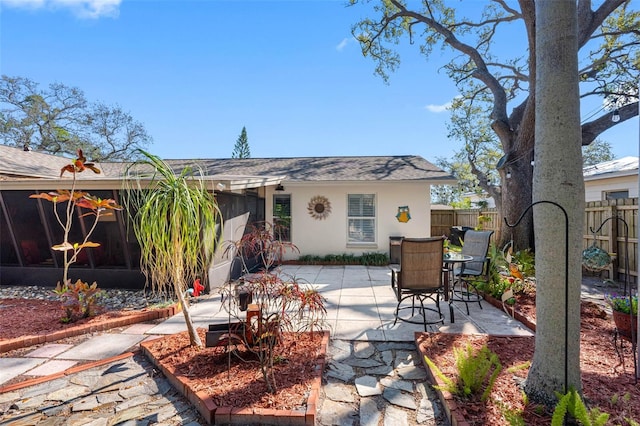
(319, 207)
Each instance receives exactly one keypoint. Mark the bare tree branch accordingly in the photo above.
(592, 129)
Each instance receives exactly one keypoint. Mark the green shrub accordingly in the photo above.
(374, 259)
(526, 260)
(368, 259)
(79, 300)
(572, 404)
(475, 371)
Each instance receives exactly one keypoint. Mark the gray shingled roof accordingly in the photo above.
(315, 169)
(16, 163)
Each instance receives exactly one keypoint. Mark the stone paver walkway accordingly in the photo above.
(125, 392)
(367, 381)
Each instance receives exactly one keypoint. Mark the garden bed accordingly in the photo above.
(229, 390)
(607, 379)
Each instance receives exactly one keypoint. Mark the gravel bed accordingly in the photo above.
(111, 299)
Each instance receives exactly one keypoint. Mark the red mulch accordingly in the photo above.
(30, 317)
(605, 381)
(242, 385)
(603, 376)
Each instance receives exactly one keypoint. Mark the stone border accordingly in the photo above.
(455, 416)
(67, 372)
(511, 311)
(233, 415)
(26, 341)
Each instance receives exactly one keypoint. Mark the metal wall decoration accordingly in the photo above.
(319, 207)
(403, 214)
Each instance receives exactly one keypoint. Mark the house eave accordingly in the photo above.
(609, 175)
(433, 181)
(220, 183)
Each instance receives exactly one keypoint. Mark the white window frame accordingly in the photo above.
(606, 195)
(363, 216)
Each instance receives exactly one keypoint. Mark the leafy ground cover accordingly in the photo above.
(607, 370)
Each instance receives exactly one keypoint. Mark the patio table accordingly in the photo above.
(450, 260)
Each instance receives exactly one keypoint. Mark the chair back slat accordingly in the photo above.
(421, 263)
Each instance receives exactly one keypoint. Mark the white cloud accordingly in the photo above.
(342, 44)
(438, 108)
(86, 9)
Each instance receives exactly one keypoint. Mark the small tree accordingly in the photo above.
(79, 298)
(241, 148)
(97, 208)
(175, 219)
(283, 302)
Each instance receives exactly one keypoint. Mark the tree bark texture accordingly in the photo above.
(557, 178)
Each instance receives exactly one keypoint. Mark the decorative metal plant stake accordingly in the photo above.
(566, 280)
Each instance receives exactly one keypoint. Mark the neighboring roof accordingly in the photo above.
(234, 173)
(615, 168)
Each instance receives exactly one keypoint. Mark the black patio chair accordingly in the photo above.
(476, 245)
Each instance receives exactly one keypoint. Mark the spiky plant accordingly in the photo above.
(174, 219)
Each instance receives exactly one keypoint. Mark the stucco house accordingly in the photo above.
(330, 205)
(611, 179)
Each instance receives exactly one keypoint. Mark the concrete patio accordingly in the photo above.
(360, 306)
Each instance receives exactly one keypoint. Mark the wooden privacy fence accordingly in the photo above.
(611, 237)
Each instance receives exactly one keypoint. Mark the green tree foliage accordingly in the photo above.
(241, 148)
(59, 120)
(500, 85)
(596, 152)
(474, 164)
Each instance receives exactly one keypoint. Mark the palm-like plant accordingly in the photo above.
(174, 218)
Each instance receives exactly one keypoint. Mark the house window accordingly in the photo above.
(614, 195)
(362, 218)
(282, 217)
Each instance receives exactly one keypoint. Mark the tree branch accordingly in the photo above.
(589, 21)
(482, 73)
(592, 129)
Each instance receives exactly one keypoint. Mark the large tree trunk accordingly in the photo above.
(516, 197)
(557, 178)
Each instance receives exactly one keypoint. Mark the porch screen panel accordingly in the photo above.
(8, 255)
(111, 252)
(282, 216)
(361, 218)
(24, 217)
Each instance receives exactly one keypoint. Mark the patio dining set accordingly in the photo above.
(429, 271)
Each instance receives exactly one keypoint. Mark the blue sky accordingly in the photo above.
(196, 72)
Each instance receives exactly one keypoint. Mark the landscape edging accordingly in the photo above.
(455, 417)
(512, 312)
(214, 414)
(67, 372)
(27, 341)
